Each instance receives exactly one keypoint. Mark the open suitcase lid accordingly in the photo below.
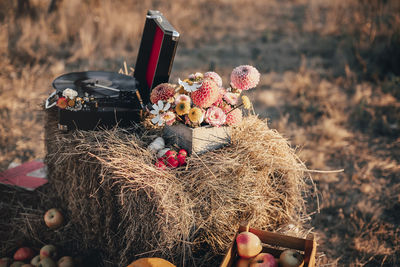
(156, 53)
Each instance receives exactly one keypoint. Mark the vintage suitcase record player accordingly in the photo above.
(99, 99)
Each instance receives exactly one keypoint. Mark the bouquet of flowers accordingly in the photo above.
(201, 99)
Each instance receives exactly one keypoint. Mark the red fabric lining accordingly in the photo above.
(154, 56)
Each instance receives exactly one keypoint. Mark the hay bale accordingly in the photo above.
(125, 206)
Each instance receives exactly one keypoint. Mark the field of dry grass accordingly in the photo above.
(330, 84)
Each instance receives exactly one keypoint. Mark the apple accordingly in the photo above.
(142, 262)
(53, 218)
(263, 260)
(248, 245)
(291, 258)
(170, 153)
(47, 262)
(181, 159)
(161, 165)
(35, 260)
(23, 254)
(17, 264)
(48, 251)
(5, 262)
(66, 261)
(242, 262)
(182, 152)
(172, 162)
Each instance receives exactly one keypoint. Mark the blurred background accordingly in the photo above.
(330, 84)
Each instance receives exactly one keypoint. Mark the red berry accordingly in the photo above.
(160, 164)
(183, 152)
(172, 162)
(170, 153)
(181, 159)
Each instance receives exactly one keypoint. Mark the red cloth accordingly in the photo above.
(29, 175)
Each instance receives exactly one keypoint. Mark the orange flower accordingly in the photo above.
(62, 102)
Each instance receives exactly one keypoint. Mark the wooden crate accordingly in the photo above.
(275, 244)
(198, 140)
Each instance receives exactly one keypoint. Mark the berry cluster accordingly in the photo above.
(172, 159)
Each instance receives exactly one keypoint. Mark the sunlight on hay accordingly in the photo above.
(182, 212)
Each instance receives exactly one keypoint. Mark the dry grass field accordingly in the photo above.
(330, 84)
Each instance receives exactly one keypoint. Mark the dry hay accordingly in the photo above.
(124, 206)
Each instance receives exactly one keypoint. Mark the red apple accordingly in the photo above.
(172, 162)
(181, 159)
(160, 164)
(183, 152)
(23, 254)
(35, 260)
(242, 262)
(263, 260)
(48, 251)
(248, 244)
(53, 218)
(291, 258)
(66, 261)
(170, 153)
(5, 262)
(47, 262)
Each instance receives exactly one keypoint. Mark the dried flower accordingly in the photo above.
(70, 93)
(215, 116)
(71, 103)
(196, 115)
(182, 108)
(169, 117)
(231, 98)
(62, 103)
(246, 102)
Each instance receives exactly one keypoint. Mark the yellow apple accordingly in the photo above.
(248, 245)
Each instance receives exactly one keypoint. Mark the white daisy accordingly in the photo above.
(188, 87)
(158, 109)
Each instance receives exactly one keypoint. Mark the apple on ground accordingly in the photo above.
(263, 260)
(5, 262)
(35, 260)
(47, 262)
(53, 218)
(151, 262)
(17, 264)
(291, 258)
(48, 251)
(170, 153)
(182, 152)
(242, 262)
(66, 261)
(248, 245)
(181, 159)
(23, 254)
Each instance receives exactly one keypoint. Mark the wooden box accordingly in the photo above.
(198, 140)
(275, 244)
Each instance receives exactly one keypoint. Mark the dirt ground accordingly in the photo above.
(330, 84)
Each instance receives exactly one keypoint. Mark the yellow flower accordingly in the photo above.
(196, 115)
(182, 108)
(246, 102)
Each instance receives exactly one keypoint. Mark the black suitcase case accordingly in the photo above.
(106, 99)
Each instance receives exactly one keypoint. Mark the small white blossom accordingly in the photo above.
(188, 87)
(70, 93)
(158, 109)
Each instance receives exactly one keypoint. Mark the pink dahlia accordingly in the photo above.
(231, 98)
(206, 95)
(245, 77)
(221, 94)
(234, 117)
(162, 92)
(215, 116)
(213, 76)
